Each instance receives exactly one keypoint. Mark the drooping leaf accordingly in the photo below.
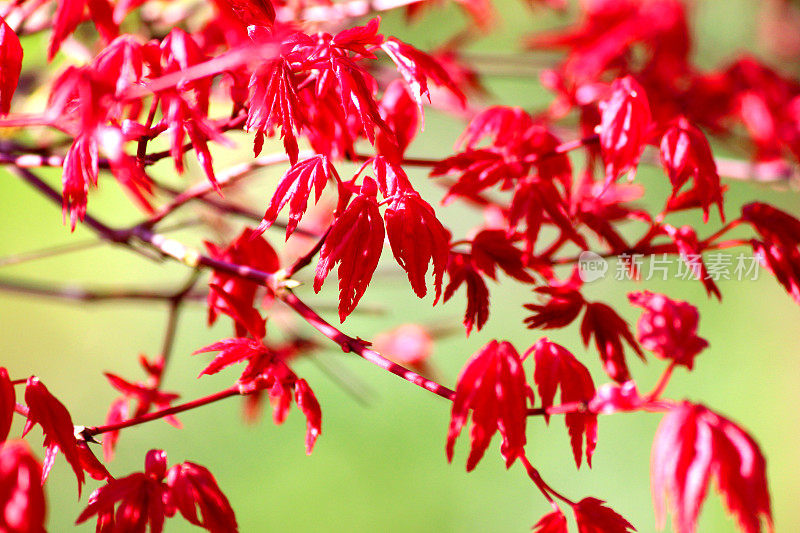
(10, 65)
(491, 385)
(417, 238)
(593, 516)
(556, 367)
(355, 242)
(692, 444)
(295, 189)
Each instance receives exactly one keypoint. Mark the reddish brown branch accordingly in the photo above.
(155, 415)
(359, 347)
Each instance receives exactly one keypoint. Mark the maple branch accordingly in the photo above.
(175, 306)
(540, 483)
(164, 245)
(91, 431)
(359, 347)
(82, 294)
(305, 260)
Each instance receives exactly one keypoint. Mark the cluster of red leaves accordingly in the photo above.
(141, 499)
(311, 85)
(146, 498)
(267, 370)
(233, 296)
(493, 386)
(355, 238)
(668, 328)
(651, 42)
(600, 321)
(146, 396)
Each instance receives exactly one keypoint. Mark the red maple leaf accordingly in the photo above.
(146, 396)
(502, 125)
(686, 155)
(493, 248)
(556, 367)
(308, 404)
(609, 331)
(274, 102)
(461, 271)
(416, 67)
(624, 126)
(355, 242)
(294, 188)
(668, 327)
(492, 385)
(23, 507)
(554, 522)
(70, 13)
(80, 170)
(231, 351)
(121, 63)
(138, 498)
(8, 400)
(593, 516)
(233, 295)
(561, 309)
(692, 444)
(267, 370)
(192, 488)
(45, 410)
(417, 238)
(10, 65)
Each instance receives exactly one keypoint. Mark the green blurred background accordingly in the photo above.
(382, 466)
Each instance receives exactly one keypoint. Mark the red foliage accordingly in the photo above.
(191, 488)
(56, 423)
(693, 444)
(492, 385)
(624, 127)
(304, 72)
(556, 367)
(609, 331)
(686, 155)
(22, 501)
(554, 522)
(594, 517)
(7, 404)
(417, 238)
(355, 242)
(668, 328)
(10, 65)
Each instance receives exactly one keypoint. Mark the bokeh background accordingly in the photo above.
(380, 466)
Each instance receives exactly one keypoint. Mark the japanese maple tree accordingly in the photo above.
(325, 96)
